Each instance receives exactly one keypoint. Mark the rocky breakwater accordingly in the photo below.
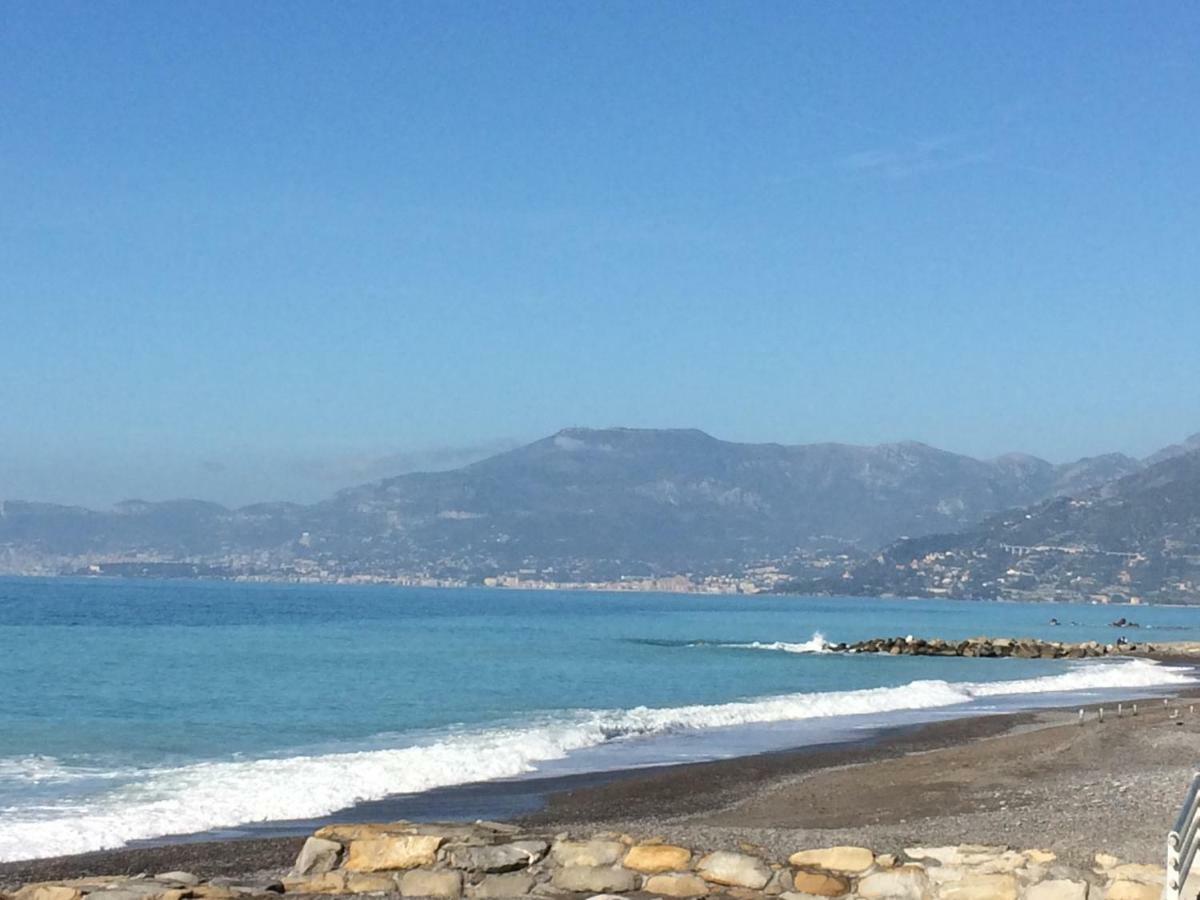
(489, 860)
(988, 647)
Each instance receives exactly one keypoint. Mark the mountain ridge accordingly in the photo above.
(1132, 538)
(581, 503)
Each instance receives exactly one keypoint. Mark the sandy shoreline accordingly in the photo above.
(1027, 778)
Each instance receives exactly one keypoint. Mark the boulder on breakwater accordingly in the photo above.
(989, 647)
(491, 860)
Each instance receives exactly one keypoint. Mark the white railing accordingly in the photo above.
(1183, 842)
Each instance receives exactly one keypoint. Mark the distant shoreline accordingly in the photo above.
(567, 587)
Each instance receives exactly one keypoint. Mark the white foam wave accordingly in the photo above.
(1091, 677)
(221, 794)
(48, 769)
(815, 644)
(31, 769)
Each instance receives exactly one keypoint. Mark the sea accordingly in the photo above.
(137, 711)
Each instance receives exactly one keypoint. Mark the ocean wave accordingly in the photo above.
(31, 769)
(1091, 677)
(48, 769)
(209, 795)
(815, 644)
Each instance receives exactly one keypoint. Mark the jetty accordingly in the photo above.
(1021, 648)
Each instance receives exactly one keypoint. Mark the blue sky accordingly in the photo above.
(259, 251)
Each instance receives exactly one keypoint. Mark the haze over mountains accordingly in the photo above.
(589, 504)
(601, 504)
(1134, 537)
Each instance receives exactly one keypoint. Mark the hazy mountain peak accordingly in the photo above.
(914, 446)
(1188, 445)
(1018, 458)
(624, 435)
(583, 502)
(1135, 536)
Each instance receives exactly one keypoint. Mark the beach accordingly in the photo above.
(1025, 779)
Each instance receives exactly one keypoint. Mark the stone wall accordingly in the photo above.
(491, 860)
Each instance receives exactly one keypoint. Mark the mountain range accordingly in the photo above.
(594, 504)
(1135, 537)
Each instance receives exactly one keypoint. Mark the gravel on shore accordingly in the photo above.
(1046, 782)
(205, 859)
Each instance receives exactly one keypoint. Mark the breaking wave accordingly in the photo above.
(815, 644)
(216, 794)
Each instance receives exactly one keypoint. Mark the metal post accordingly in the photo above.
(1171, 886)
(1182, 843)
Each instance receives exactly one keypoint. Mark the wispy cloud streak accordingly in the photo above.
(916, 157)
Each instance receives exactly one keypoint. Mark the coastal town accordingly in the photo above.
(1015, 573)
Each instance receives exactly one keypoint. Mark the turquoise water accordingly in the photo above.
(133, 709)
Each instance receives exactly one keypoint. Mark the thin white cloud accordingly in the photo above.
(916, 157)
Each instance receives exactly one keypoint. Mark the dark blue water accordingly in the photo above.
(131, 709)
